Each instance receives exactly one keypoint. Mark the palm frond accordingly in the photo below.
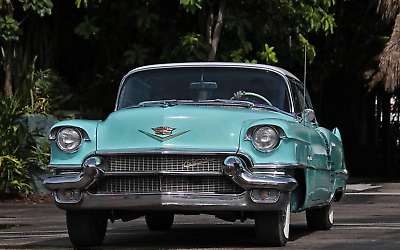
(389, 9)
(390, 60)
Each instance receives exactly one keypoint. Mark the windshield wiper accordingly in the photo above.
(163, 103)
(233, 102)
(242, 103)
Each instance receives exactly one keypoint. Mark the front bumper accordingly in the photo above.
(234, 169)
(172, 202)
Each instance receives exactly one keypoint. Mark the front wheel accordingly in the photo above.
(86, 228)
(159, 221)
(272, 228)
(320, 218)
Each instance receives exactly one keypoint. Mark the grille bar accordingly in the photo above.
(165, 184)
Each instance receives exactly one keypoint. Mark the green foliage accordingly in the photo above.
(85, 3)
(268, 56)
(196, 45)
(136, 56)
(49, 93)
(18, 148)
(39, 91)
(191, 5)
(87, 29)
(238, 20)
(13, 175)
(191, 47)
(145, 18)
(125, 34)
(310, 48)
(9, 28)
(42, 7)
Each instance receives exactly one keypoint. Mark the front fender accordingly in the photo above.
(59, 157)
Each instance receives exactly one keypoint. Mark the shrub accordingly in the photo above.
(18, 148)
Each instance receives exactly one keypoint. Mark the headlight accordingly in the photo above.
(68, 139)
(265, 138)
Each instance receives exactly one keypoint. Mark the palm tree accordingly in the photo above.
(389, 65)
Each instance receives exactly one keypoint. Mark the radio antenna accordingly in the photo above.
(304, 81)
(305, 69)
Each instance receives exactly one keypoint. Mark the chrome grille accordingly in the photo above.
(181, 163)
(165, 184)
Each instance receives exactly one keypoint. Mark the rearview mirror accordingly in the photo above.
(203, 85)
(309, 115)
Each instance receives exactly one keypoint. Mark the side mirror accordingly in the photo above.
(309, 115)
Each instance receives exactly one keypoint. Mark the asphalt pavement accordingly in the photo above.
(368, 217)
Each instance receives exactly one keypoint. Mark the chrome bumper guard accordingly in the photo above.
(90, 174)
(234, 168)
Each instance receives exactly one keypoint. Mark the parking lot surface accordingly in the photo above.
(368, 217)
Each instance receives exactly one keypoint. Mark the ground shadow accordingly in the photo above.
(180, 236)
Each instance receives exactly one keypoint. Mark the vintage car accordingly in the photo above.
(237, 141)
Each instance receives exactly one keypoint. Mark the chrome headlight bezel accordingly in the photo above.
(274, 135)
(78, 143)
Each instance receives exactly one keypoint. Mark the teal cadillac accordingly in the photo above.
(237, 141)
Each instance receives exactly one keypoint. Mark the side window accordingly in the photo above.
(298, 98)
(308, 101)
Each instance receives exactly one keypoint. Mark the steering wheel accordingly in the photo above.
(252, 94)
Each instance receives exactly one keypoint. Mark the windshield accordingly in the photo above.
(197, 84)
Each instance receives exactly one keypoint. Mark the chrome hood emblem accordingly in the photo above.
(163, 130)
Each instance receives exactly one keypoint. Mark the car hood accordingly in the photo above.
(195, 128)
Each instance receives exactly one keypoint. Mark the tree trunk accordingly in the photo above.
(8, 79)
(217, 30)
(8, 50)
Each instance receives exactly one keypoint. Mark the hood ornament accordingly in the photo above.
(163, 130)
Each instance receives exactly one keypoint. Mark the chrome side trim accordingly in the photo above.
(343, 174)
(299, 140)
(314, 168)
(289, 166)
(276, 166)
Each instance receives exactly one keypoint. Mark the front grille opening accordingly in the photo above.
(165, 184)
(158, 162)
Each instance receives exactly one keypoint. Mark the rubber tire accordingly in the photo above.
(271, 226)
(320, 218)
(85, 228)
(159, 221)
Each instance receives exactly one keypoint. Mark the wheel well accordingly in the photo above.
(339, 193)
(298, 196)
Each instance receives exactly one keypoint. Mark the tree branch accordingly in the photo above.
(217, 31)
